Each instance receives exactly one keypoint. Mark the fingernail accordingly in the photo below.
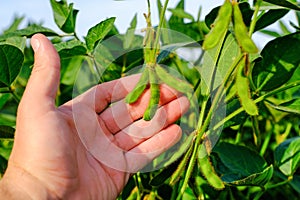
(35, 43)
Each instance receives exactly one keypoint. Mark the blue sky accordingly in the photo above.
(93, 11)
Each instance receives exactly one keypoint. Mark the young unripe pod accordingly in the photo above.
(220, 26)
(241, 31)
(139, 88)
(155, 95)
(243, 90)
(209, 173)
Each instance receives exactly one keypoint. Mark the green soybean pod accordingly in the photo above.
(243, 91)
(141, 85)
(241, 31)
(220, 26)
(209, 173)
(182, 165)
(173, 82)
(155, 95)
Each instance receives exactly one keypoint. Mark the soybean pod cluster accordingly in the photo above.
(230, 12)
(152, 76)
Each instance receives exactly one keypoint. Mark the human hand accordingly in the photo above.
(84, 149)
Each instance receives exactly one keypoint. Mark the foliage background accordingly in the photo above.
(256, 157)
(93, 11)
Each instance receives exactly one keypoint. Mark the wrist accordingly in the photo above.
(18, 184)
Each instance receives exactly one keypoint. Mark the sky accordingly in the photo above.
(92, 12)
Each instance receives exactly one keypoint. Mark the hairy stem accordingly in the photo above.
(259, 99)
(255, 17)
(161, 21)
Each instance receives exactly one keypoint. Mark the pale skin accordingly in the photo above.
(50, 161)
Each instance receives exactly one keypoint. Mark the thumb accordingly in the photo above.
(43, 83)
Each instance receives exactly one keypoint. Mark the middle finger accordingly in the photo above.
(121, 114)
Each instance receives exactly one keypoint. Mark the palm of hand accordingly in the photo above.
(60, 148)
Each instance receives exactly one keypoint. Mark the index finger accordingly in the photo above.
(100, 96)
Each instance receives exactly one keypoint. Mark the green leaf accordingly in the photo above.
(271, 33)
(284, 3)
(175, 20)
(129, 35)
(104, 60)
(165, 51)
(176, 152)
(70, 67)
(69, 25)
(191, 30)
(3, 165)
(160, 178)
(287, 156)
(191, 74)
(4, 99)
(280, 58)
(102, 56)
(70, 48)
(28, 32)
(11, 60)
(180, 13)
(98, 32)
(165, 26)
(295, 183)
(15, 25)
(6, 132)
(19, 42)
(292, 106)
(5, 148)
(189, 194)
(269, 18)
(284, 28)
(211, 16)
(240, 165)
(64, 15)
(216, 64)
(259, 179)
(232, 106)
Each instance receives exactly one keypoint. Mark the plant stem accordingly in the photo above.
(281, 89)
(202, 113)
(256, 131)
(278, 184)
(238, 137)
(148, 3)
(11, 90)
(259, 99)
(266, 143)
(16, 97)
(220, 92)
(203, 124)
(255, 18)
(271, 187)
(5, 90)
(198, 141)
(189, 169)
(161, 21)
(138, 181)
(76, 36)
(181, 166)
(209, 88)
